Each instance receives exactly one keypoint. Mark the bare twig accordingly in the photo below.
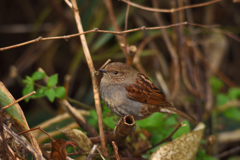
(68, 3)
(169, 138)
(121, 40)
(172, 51)
(115, 150)
(5, 145)
(136, 59)
(18, 100)
(91, 154)
(92, 71)
(103, 66)
(169, 10)
(37, 128)
(215, 70)
(228, 152)
(102, 31)
(22, 143)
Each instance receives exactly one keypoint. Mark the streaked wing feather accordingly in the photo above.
(144, 91)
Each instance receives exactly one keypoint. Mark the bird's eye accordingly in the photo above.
(116, 72)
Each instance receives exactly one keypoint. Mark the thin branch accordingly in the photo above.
(169, 10)
(37, 128)
(22, 143)
(91, 154)
(18, 100)
(116, 150)
(9, 154)
(66, 37)
(172, 51)
(121, 40)
(169, 138)
(94, 78)
(222, 76)
(68, 3)
(228, 152)
(103, 66)
(129, 58)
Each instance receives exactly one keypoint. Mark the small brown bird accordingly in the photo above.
(127, 92)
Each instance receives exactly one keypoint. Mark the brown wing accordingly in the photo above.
(144, 91)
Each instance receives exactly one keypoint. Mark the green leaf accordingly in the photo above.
(202, 155)
(40, 92)
(28, 80)
(93, 120)
(156, 138)
(29, 88)
(216, 84)
(60, 92)
(52, 80)
(234, 93)
(50, 93)
(38, 75)
(171, 120)
(222, 99)
(232, 113)
(106, 110)
(152, 123)
(182, 130)
(109, 122)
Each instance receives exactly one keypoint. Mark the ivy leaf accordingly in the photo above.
(50, 93)
(29, 88)
(52, 80)
(38, 75)
(60, 92)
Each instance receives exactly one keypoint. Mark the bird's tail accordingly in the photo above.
(175, 111)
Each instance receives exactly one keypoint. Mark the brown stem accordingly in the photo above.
(172, 51)
(94, 79)
(123, 128)
(169, 10)
(169, 138)
(5, 145)
(120, 40)
(22, 143)
(18, 100)
(105, 31)
(116, 150)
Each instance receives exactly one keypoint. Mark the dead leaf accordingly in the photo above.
(184, 147)
(16, 112)
(58, 150)
(80, 138)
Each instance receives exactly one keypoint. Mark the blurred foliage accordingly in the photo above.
(21, 21)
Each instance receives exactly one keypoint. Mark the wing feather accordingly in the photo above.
(144, 91)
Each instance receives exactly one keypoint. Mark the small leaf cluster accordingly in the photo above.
(48, 90)
(222, 98)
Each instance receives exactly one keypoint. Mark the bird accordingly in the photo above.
(128, 92)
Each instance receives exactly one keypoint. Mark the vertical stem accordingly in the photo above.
(172, 52)
(94, 79)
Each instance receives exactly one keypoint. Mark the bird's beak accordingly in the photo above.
(102, 70)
